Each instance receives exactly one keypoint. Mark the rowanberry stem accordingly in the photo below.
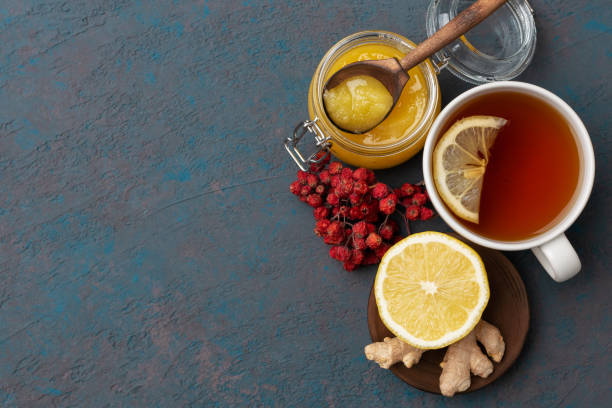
(407, 223)
(384, 222)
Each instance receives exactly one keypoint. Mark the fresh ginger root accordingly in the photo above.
(460, 358)
(465, 356)
(392, 350)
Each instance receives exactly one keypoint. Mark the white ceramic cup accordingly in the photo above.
(550, 247)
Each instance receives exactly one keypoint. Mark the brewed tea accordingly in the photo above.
(533, 168)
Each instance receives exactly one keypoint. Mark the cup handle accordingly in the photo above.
(558, 258)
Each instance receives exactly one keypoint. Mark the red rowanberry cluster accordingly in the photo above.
(352, 210)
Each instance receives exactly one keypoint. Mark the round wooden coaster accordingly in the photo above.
(508, 309)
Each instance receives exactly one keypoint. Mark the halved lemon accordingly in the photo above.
(431, 289)
(460, 160)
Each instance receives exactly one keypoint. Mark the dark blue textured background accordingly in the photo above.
(151, 254)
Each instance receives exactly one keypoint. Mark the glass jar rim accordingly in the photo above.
(472, 65)
(359, 38)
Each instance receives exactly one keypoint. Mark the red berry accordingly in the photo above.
(335, 168)
(321, 227)
(302, 176)
(386, 231)
(419, 199)
(412, 212)
(426, 213)
(361, 174)
(382, 249)
(320, 189)
(355, 214)
(370, 211)
(314, 200)
(333, 252)
(380, 190)
(356, 257)
(295, 187)
(303, 198)
(325, 177)
(346, 173)
(387, 204)
(365, 209)
(359, 243)
(333, 199)
(333, 240)
(344, 254)
(312, 180)
(334, 234)
(360, 187)
(360, 229)
(345, 187)
(349, 266)
(371, 227)
(321, 213)
(355, 198)
(343, 210)
(371, 177)
(335, 181)
(326, 159)
(335, 229)
(407, 189)
(305, 190)
(373, 240)
(341, 253)
(316, 167)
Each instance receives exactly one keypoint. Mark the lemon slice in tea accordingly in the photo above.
(431, 289)
(460, 161)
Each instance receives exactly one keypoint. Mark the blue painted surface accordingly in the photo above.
(151, 254)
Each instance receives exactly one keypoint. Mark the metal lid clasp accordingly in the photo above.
(322, 144)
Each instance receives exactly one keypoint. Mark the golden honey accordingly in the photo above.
(358, 104)
(407, 112)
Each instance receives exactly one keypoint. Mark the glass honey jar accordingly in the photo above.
(394, 141)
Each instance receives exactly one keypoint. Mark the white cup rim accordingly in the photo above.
(584, 145)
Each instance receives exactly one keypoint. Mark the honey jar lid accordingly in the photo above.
(499, 48)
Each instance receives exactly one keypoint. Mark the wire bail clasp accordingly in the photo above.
(322, 143)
